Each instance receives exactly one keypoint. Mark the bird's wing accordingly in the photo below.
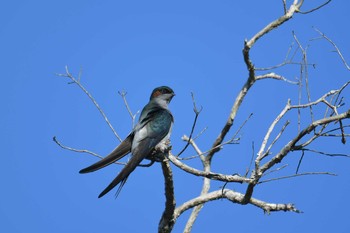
(119, 152)
(159, 123)
(156, 126)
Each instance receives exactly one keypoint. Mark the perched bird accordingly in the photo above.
(151, 132)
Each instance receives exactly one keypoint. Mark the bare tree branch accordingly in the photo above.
(267, 152)
(251, 161)
(300, 160)
(292, 144)
(234, 197)
(296, 175)
(210, 175)
(315, 9)
(274, 76)
(336, 48)
(324, 153)
(133, 116)
(196, 112)
(304, 72)
(75, 81)
(167, 220)
(80, 150)
(194, 145)
(93, 153)
(205, 189)
(287, 60)
(284, 6)
(275, 170)
(265, 160)
(251, 70)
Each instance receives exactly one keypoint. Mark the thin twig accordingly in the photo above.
(304, 70)
(300, 160)
(196, 112)
(261, 153)
(275, 170)
(80, 150)
(70, 76)
(251, 161)
(193, 144)
(276, 138)
(133, 116)
(315, 9)
(284, 6)
(336, 48)
(324, 153)
(296, 175)
(228, 142)
(200, 133)
(285, 62)
(241, 127)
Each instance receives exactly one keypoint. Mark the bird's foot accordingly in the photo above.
(158, 152)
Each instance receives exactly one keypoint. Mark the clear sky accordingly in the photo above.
(136, 46)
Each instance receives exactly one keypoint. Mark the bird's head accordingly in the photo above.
(163, 92)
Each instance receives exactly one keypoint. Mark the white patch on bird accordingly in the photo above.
(162, 100)
(139, 136)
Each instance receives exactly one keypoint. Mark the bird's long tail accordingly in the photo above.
(123, 175)
(118, 153)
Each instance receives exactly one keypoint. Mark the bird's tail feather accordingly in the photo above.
(139, 153)
(122, 176)
(118, 153)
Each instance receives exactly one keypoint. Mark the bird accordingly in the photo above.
(152, 131)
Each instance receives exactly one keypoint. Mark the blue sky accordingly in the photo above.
(135, 46)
